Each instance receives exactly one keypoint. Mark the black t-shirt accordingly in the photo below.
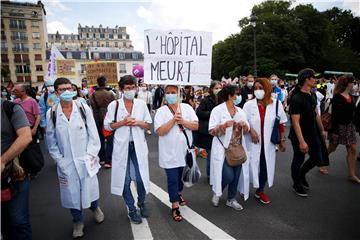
(305, 105)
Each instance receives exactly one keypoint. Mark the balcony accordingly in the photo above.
(17, 26)
(18, 38)
(23, 74)
(5, 60)
(15, 49)
(22, 60)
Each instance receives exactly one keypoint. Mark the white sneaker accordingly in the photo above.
(78, 230)
(234, 204)
(215, 200)
(98, 215)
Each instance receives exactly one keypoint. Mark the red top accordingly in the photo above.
(349, 99)
(262, 111)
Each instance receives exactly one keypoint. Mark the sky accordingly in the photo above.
(219, 17)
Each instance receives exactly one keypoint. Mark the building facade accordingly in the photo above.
(23, 42)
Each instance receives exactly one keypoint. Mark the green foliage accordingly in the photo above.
(288, 39)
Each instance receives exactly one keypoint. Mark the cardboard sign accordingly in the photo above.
(177, 57)
(97, 69)
(65, 68)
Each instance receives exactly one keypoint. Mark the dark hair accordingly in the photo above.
(305, 74)
(101, 81)
(342, 83)
(126, 80)
(77, 90)
(226, 91)
(60, 81)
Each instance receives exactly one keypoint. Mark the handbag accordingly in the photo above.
(275, 134)
(105, 132)
(32, 159)
(235, 154)
(326, 118)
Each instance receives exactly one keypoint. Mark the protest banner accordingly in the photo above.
(96, 69)
(177, 57)
(65, 68)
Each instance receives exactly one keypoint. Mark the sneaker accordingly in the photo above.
(78, 230)
(135, 217)
(215, 200)
(262, 197)
(144, 212)
(299, 190)
(304, 183)
(107, 165)
(234, 204)
(98, 215)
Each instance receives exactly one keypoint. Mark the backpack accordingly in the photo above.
(80, 107)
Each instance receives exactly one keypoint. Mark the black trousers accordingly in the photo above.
(298, 168)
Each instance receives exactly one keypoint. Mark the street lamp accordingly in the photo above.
(253, 20)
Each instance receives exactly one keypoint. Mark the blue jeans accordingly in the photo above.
(77, 214)
(15, 222)
(175, 185)
(208, 151)
(128, 197)
(263, 171)
(230, 178)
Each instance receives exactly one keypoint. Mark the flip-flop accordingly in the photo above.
(175, 213)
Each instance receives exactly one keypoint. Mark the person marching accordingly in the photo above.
(129, 118)
(261, 113)
(170, 123)
(223, 120)
(73, 143)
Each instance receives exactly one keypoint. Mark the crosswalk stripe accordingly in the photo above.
(140, 231)
(201, 223)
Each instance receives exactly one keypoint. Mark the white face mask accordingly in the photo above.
(50, 89)
(250, 84)
(259, 94)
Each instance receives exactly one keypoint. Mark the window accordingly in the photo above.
(119, 36)
(96, 55)
(4, 58)
(107, 44)
(68, 55)
(40, 78)
(36, 35)
(98, 44)
(23, 69)
(82, 68)
(116, 44)
(38, 57)
(124, 44)
(122, 56)
(17, 58)
(122, 68)
(107, 55)
(134, 56)
(91, 44)
(35, 24)
(94, 35)
(83, 55)
(102, 35)
(111, 36)
(37, 46)
(27, 78)
(19, 36)
(87, 35)
(20, 24)
(20, 79)
(21, 47)
(127, 36)
(39, 68)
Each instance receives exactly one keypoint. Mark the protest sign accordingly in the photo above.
(97, 69)
(177, 57)
(65, 68)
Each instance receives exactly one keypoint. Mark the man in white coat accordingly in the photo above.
(73, 143)
(129, 118)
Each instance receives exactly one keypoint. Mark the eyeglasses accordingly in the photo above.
(64, 89)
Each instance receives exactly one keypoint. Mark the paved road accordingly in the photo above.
(332, 210)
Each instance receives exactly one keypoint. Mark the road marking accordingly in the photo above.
(201, 223)
(142, 230)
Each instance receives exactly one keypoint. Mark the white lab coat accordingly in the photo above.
(121, 144)
(220, 115)
(253, 115)
(70, 144)
(173, 146)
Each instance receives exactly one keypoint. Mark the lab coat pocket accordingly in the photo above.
(65, 166)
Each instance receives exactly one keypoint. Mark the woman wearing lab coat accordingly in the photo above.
(261, 113)
(172, 143)
(222, 120)
(130, 148)
(73, 143)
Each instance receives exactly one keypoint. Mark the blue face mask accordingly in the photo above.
(67, 96)
(273, 82)
(171, 98)
(129, 94)
(237, 100)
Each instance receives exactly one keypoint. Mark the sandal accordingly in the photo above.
(354, 179)
(182, 201)
(176, 214)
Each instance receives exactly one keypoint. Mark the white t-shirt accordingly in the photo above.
(173, 146)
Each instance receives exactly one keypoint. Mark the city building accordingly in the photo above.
(23, 42)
